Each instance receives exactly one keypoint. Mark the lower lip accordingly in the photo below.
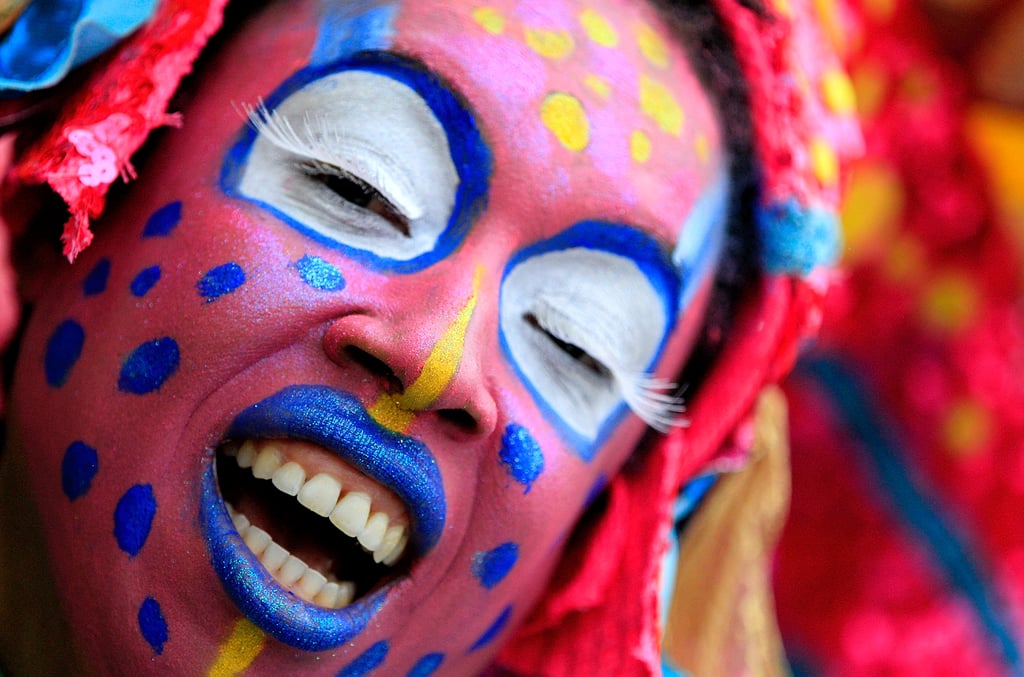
(273, 609)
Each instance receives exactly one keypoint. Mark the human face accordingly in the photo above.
(440, 270)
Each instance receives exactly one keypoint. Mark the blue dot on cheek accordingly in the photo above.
(78, 468)
(62, 351)
(221, 280)
(367, 661)
(152, 625)
(319, 274)
(521, 456)
(96, 281)
(427, 665)
(491, 567)
(149, 366)
(133, 518)
(491, 633)
(163, 221)
(145, 280)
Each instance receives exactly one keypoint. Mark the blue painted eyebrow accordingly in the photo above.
(351, 28)
(470, 154)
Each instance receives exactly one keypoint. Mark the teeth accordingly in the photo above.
(351, 513)
(399, 550)
(274, 557)
(311, 583)
(391, 539)
(346, 593)
(373, 534)
(256, 539)
(289, 478)
(267, 462)
(246, 454)
(328, 595)
(291, 570)
(322, 494)
(241, 523)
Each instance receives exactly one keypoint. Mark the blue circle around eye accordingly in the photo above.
(656, 265)
(470, 154)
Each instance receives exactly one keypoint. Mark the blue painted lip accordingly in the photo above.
(339, 423)
(261, 599)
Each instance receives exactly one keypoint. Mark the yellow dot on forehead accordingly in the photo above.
(640, 146)
(659, 103)
(598, 28)
(838, 92)
(824, 162)
(652, 46)
(490, 18)
(551, 44)
(598, 85)
(563, 114)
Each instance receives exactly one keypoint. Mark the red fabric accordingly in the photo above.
(930, 318)
(600, 615)
(109, 118)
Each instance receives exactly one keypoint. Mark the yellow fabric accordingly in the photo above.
(722, 615)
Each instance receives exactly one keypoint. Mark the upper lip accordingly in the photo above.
(339, 423)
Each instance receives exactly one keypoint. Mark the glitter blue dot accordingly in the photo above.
(133, 518)
(145, 280)
(369, 660)
(163, 221)
(427, 665)
(221, 280)
(96, 281)
(77, 469)
(149, 366)
(152, 624)
(319, 274)
(521, 455)
(491, 633)
(63, 349)
(491, 567)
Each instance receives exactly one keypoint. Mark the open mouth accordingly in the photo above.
(310, 509)
(328, 536)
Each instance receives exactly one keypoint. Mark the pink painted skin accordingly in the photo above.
(269, 334)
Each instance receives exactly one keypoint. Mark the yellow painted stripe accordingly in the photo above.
(395, 412)
(239, 650)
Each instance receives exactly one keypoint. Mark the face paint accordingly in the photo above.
(334, 386)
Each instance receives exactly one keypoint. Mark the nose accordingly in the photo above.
(419, 373)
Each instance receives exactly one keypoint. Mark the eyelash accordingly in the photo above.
(307, 144)
(646, 396)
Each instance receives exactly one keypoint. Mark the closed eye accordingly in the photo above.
(351, 188)
(574, 351)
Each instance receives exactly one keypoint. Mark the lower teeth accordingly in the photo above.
(291, 572)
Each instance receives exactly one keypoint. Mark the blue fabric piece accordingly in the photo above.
(915, 503)
(53, 36)
(796, 238)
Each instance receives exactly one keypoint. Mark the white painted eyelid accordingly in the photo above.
(373, 127)
(604, 304)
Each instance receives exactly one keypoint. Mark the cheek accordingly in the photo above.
(176, 299)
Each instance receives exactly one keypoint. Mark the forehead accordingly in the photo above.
(590, 100)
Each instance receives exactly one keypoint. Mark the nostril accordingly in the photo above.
(460, 418)
(375, 366)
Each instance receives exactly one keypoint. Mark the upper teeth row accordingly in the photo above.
(349, 511)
